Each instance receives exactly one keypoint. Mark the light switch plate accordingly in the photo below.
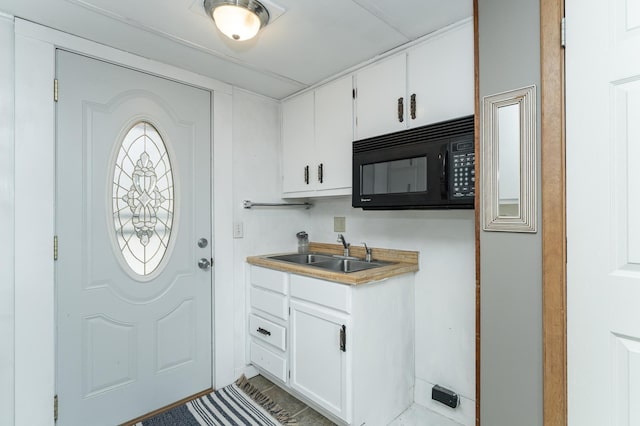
(339, 224)
(238, 231)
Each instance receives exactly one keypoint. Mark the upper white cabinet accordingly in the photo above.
(440, 77)
(298, 142)
(380, 97)
(334, 134)
(430, 82)
(317, 131)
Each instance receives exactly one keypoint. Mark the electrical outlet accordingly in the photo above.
(339, 224)
(238, 231)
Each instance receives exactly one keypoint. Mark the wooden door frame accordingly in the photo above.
(554, 295)
(477, 206)
(554, 282)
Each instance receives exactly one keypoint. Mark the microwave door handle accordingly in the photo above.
(443, 175)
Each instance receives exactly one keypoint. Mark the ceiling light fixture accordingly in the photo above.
(237, 19)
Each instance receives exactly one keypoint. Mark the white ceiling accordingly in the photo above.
(309, 42)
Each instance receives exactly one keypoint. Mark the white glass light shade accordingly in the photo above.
(236, 22)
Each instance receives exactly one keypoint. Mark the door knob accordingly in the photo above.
(202, 242)
(204, 264)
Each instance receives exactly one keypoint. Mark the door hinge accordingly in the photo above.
(563, 32)
(289, 373)
(343, 338)
(55, 407)
(353, 93)
(289, 310)
(55, 247)
(55, 90)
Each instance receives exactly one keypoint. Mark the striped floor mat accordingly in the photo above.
(229, 406)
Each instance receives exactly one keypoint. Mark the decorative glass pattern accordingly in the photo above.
(143, 198)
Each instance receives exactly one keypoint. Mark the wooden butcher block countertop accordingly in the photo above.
(403, 262)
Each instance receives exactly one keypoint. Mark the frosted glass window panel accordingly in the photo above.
(143, 198)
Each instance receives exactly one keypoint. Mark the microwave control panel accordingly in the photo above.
(462, 177)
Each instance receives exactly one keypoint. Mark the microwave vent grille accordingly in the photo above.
(445, 129)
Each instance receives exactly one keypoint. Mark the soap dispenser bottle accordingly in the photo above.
(303, 242)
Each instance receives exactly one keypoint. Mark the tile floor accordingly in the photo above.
(306, 416)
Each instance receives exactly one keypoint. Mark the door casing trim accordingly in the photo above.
(554, 254)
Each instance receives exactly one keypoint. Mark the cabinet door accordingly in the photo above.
(319, 368)
(440, 74)
(334, 135)
(297, 143)
(378, 89)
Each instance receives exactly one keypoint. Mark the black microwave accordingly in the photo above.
(428, 167)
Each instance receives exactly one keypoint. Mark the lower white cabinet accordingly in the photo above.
(319, 361)
(348, 351)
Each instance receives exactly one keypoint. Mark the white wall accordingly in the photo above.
(256, 177)
(444, 288)
(6, 220)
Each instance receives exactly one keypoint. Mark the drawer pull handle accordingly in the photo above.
(263, 331)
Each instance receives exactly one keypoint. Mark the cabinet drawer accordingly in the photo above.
(269, 302)
(267, 331)
(332, 295)
(269, 361)
(269, 279)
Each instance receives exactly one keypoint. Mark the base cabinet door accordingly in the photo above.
(320, 362)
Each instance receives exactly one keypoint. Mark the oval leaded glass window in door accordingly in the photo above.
(143, 199)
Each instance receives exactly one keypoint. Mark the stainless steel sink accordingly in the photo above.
(329, 262)
(348, 265)
(302, 259)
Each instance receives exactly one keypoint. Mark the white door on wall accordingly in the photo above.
(133, 209)
(603, 212)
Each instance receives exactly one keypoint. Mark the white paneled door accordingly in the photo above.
(603, 212)
(133, 220)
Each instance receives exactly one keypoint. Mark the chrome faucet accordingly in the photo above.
(367, 251)
(344, 244)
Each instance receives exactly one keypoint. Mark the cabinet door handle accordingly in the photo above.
(263, 331)
(401, 109)
(306, 175)
(412, 105)
(320, 173)
(343, 338)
